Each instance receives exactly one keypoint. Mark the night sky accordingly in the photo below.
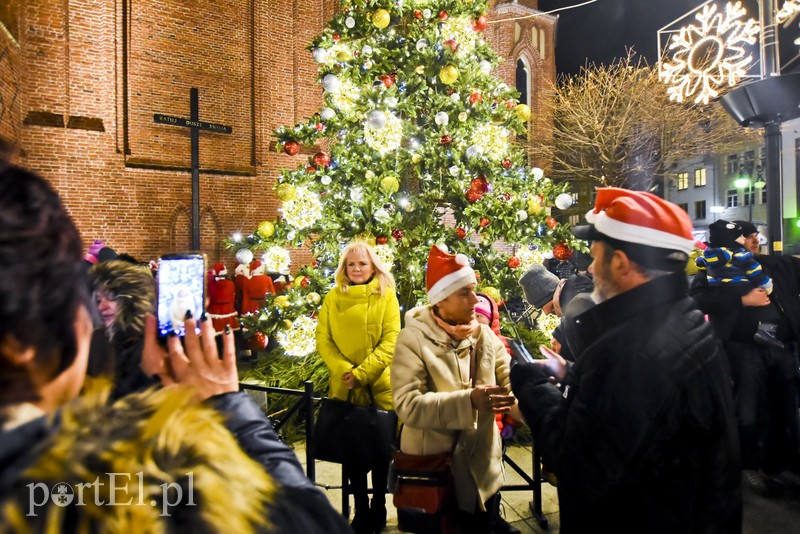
(601, 31)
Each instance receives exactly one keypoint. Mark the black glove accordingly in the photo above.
(525, 375)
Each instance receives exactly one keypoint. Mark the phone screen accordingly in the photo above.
(181, 287)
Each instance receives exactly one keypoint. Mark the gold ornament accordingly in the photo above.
(266, 229)
(416, 158)
(523, 112)
(534, 206)
(448, 74)
(282, 301)
(420, 69)
(285, 192)
(313, 298)
(492, 292)
(381, 19)
(390, 184)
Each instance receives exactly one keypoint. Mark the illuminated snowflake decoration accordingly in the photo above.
(547, 322)
(789, 9)
(300, 339)
(527, 258)
(493, 139)
(345, 97)
(276, 260)
(709, 55)
(303, 210)
(460, 30)
(385, 254)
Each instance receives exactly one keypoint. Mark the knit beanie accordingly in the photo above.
(726, 234)
(748, 228)
(538, 284)
(447, 273)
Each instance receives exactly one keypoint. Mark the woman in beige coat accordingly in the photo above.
(449, 378)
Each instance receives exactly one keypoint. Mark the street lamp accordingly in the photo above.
(747, 183)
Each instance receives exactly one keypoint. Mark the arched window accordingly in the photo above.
(523, 82)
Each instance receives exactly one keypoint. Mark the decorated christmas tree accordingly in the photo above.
(416, 144)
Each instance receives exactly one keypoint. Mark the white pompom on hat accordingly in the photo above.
(447, 273)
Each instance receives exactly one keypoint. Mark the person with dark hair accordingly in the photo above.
(645, 418)
(125, 294)
(764, 374)
(183, 451)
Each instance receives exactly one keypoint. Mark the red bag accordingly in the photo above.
(424, 494)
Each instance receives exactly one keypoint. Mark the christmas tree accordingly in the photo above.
(419, 148)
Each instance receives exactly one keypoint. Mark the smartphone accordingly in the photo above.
(181, 287)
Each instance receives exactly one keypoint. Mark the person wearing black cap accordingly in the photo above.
(764, 377)
(646, 417)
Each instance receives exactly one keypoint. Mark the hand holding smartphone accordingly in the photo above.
(555, 364)
(181, 288)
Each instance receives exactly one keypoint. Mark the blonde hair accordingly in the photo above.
(383, 274)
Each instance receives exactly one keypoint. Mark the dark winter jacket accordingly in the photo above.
(733, 321)
(643, 439)
(166, 436)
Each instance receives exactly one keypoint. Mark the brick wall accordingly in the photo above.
(91, 74)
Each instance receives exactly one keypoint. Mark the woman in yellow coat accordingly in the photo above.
(356, 334)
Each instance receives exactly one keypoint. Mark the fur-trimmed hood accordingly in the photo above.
(134, 288)
(162, 447)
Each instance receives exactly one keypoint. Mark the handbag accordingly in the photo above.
(345, 432)
(423, 491)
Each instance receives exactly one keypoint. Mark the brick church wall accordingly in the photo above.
(80, 83)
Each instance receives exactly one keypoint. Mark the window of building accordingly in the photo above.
(684, 206)
(764, 195)
(732, 196)
(700, 177)
(541, 43)
(700, 209)
(748, 197)
(574, 220)
(732, 164)
(749, 162)
(683, 181)
(523, 81)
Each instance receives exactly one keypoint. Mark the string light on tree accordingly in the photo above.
(710, 55)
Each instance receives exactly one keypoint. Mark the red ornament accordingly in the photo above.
(304, 281)
(484, 222)
(510, 104)
(443, 15)
(506, 164)
(551, 222)
(291, 147)
(315, 264)
(322, 159)
(336, 37)
(562, 252)
(387, 79)
(452, 44)
(473, 196)
(381, 240)
(319, 127)
(417, 14)
(445, 140)
(480, 23)
(259, 341)
(479, 184)
(461, 233)
(507, 196)
(397, 234)
(475, 97)
(513, 262)
(311, 168)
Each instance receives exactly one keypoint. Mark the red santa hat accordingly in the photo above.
(447, 273)
(256, 267)
(219, 269)
(642, 224)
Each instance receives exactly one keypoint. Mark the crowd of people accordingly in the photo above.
(652, 395)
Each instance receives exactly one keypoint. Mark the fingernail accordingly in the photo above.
(227, 329)
(203, 317)
(188, 314)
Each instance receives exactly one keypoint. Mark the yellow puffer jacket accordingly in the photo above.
(356, 332)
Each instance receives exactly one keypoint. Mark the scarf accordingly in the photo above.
(459, 332)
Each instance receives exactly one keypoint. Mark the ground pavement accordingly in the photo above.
(779, 514)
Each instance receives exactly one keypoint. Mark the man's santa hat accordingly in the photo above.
(652, 231)
(219, 269)
(256, 268)
(447, 273)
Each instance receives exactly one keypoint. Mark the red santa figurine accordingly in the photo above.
(221, 295)
(255, 288)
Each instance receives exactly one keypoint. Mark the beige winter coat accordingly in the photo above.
(431, 391)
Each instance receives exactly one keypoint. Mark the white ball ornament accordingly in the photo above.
(382, 216)
(455, 97)
(244, 255)
(376, 119)
(327, 114)
(291, 235)
(391, 101)
(474, 151)
(356, 194)
(422, 44)
(441, 118)
(368, 64)
(326, 180)
(522, 215)
(350, 22)
(320, 55)
(485, 67)
(426, 13)
(366, 50)
(455, 170)
(331, 83)
(538, 173)
(563, 201)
